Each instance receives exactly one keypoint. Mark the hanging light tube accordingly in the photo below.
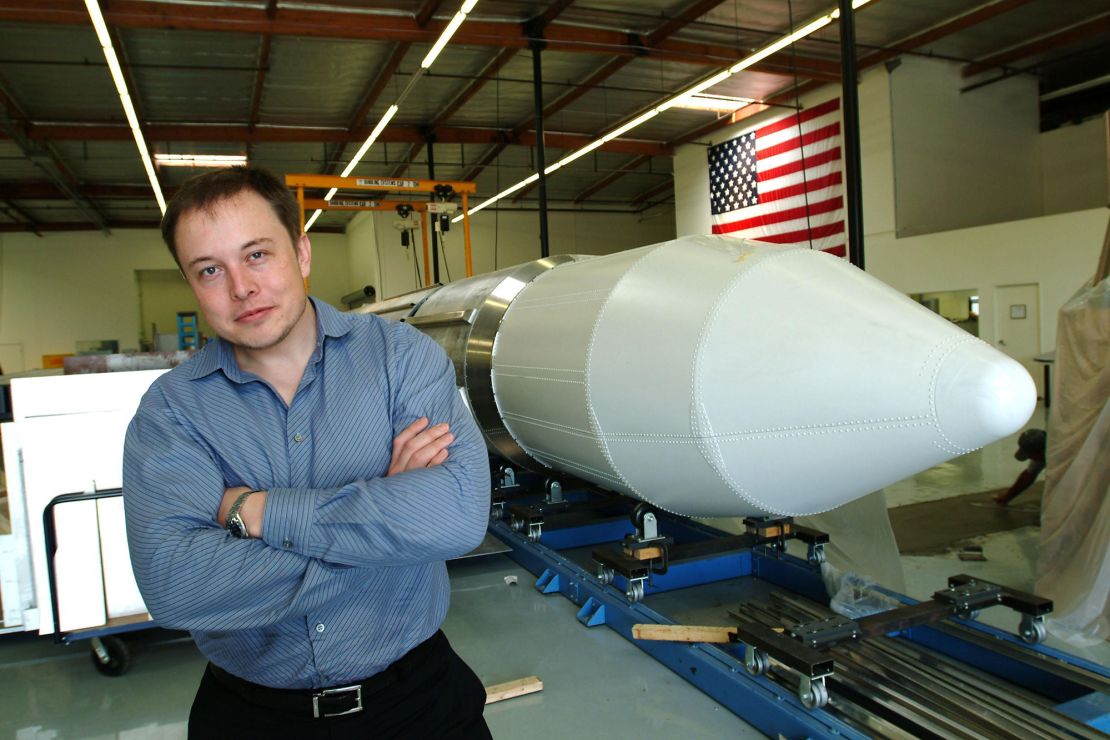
(114, 67)
(674, 101)
(429, 59)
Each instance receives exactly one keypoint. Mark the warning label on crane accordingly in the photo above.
(385, 182)
(336, 203)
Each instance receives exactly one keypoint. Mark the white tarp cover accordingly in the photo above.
(1074, 566)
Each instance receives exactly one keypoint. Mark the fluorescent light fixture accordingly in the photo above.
(716, 103)
(366, 144)
(312, 220)
(114, 67)
(683, 99)
(448, 32)
(200, 160)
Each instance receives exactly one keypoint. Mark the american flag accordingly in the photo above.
(781, 182)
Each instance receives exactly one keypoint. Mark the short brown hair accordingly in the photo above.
(203, 192)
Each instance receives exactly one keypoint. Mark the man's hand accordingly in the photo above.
(419, 446)
(252, 510)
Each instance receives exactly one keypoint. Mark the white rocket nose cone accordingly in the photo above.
(981, 396)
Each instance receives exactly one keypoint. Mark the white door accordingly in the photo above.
(1017, 322)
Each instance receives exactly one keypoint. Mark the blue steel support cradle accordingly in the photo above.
(718, 671)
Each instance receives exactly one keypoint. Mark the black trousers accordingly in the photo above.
(436, 695)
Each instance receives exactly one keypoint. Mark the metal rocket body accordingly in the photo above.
(711, 376)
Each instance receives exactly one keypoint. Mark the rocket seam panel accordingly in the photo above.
(596, 293)
(549, 303)
(554, 426)
(712, 453)
(591, 413)
(576, 465)
(899, 420)
(552, 369)
(540, 377)
(955, 343)
(743, 437)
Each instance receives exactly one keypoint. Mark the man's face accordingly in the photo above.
(247, 277)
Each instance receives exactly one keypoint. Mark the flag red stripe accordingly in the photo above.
(825, 132)
(809, 186)
(800, 118)
(840, 251)
(789, 214)
(816, 160)
(804, 235)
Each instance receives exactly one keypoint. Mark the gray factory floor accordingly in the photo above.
(596, 684)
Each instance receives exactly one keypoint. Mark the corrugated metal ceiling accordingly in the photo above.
(317, 73)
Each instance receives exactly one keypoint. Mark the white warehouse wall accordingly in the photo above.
(962, 158)
(1074, 166)
(63, 287)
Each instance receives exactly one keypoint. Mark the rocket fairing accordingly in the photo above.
(711, 376)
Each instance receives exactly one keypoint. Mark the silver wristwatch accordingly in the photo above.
(235, 523)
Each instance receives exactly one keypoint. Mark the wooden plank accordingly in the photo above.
(512, 689)
(645, 553)
(682, 633)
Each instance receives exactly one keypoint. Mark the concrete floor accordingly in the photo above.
(595, 682)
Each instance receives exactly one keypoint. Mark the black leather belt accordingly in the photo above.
(327, 702)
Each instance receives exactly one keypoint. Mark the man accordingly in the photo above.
(293, 491)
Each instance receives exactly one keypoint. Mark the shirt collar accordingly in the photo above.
(219, 355)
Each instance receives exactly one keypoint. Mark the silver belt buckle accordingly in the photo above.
(357, 689)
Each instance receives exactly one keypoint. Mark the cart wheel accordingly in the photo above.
(110, 656)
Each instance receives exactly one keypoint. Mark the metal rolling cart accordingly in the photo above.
(109, 653)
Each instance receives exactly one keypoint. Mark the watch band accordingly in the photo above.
(235, 524)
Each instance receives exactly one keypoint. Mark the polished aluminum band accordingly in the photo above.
(478, 360)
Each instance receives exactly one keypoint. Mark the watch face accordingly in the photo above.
(235, 526)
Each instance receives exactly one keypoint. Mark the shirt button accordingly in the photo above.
(298, 438)
(287, 544)
(320, 627)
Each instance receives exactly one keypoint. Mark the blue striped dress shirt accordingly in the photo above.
(349, 574)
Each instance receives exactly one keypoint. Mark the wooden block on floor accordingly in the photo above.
(511, 689)
(682, 633)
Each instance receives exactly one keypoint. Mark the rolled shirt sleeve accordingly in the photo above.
(417, 516)
(192, 574)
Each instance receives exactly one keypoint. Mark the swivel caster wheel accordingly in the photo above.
(1032, 630)
(755, 661)
(110, 656)
(813, 693)
(816, 554)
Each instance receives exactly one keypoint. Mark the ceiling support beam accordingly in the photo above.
(13, 124)
(629, 166)
(1049, 42)
(43, 132)
(658, 36)
(492, 68)
(321, 23)
(17, 214)
(961, 22)
(260, 74)
(653, 192)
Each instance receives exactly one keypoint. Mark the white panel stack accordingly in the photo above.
(69, 431)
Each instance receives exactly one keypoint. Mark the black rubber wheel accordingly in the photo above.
(119, 657)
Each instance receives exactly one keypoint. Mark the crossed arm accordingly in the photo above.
(432, 503)
(419, 445)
